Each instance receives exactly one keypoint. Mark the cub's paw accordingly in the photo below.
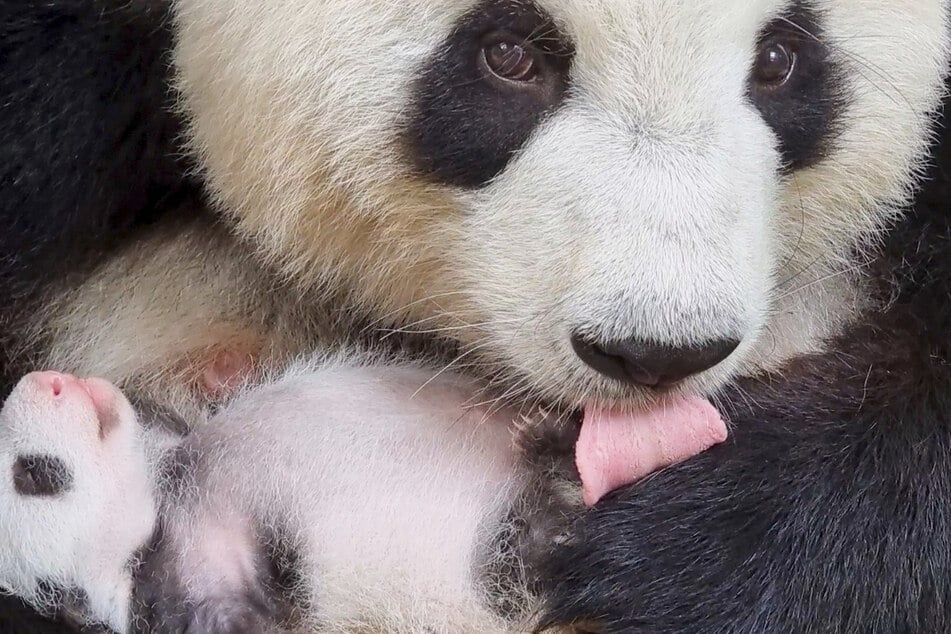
(208, 587)
(163, 606)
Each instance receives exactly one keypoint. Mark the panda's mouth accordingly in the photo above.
(617, 447)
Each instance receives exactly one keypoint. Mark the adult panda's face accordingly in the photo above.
(601, 197)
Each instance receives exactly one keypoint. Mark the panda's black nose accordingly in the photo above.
(651, 365)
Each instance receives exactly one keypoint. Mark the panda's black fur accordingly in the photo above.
(87, 141)
(828, 510)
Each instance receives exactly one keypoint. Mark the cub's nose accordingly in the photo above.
(651, 365)
(51, 384)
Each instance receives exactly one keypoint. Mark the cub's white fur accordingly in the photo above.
(395, 498)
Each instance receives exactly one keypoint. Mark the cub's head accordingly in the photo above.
(602, 198)
(75, 497)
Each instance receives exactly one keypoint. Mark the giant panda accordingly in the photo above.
(589, 204)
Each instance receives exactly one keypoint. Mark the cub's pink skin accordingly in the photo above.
(76, 497)
(616, 448)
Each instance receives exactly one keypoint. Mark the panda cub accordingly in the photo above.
(378, 507)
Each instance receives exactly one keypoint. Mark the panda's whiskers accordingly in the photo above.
(411, 331)
(792, 278)
(473, 349)
(824, 278)
(802, 225)
(405, 307)
(515, 392)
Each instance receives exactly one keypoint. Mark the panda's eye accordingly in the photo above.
(508, 59)
(775, 64)
(798, 86)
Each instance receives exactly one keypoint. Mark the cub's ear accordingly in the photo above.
(41, 476)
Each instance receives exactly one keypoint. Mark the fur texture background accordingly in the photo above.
(694, 547)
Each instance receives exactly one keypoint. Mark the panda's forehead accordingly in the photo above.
(645, 25)
(657, 21)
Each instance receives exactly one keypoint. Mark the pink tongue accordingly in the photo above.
(616, 449)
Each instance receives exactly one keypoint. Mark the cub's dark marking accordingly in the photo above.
(72, 608)
(160, 603)
(158, 595)
(804, 111)
(176, 471)
(153, 414)
(285, 582)
(41, 476)
(467, 124)
(229, 615)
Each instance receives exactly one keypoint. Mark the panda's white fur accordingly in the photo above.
(650, 204)
(417, 548)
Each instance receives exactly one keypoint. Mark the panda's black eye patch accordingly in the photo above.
(485, 90)
(797, 86)
(41, 476)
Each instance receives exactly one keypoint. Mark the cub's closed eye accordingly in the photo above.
(41, 476)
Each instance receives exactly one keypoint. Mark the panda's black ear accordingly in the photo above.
(41, 476)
